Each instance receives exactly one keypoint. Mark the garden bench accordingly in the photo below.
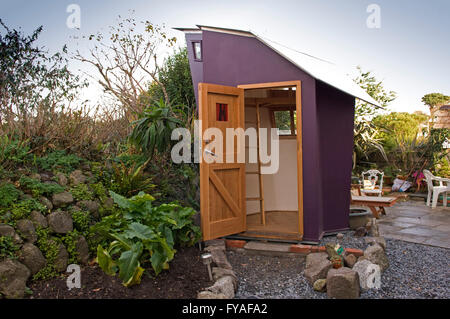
(375, 204)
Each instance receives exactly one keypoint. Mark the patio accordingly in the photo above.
(412, 221)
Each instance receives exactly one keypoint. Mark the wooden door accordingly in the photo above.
(222, 185)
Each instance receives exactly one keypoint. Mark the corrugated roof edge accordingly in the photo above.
(363, 95)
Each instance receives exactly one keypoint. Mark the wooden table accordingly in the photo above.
(376, 204)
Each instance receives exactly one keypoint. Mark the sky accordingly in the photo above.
(409, 50)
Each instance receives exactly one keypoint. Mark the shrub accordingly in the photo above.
(46, 245)
(59, 160)
(81, 192)
(81, 221)
(143, 233)
(23, 208)
(8, 194)
(37, 188)
(7, 247)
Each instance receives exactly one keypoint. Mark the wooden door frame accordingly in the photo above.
(298, 102)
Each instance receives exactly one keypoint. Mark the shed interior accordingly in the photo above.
(272, 199)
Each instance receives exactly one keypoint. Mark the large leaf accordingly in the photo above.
(105, 261)
(140, 231)
(129, 262)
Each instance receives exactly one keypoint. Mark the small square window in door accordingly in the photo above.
(221, 112)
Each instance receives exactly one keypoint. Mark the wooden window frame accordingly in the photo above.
(292, 108)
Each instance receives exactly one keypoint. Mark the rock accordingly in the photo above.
(320, 285)
(7, 230)
(360, 232)
(60, 222)
(350, 260)
(376, 240)
(373, 229)
(62, 199)
(222, 272)
(369, 274)
(218, 256)
(82, 250)
(46, 202)
(38, 219)
(62, 257)
(32, 257)
(45, 177)
(216, 243)
(109, 203)
(340, 236)
(36, 176)
(27, 230)
(343, 283)
(62, 179)
(77, 177)
(90, 205)
(317, 267)
(376, 255)
(360, 258)
(210, 295)
(223, 287)
(13, 278)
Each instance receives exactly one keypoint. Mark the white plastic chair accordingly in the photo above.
(443, 187)
(370, 185)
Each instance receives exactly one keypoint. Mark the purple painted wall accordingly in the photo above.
(195, 66)
(232, 60)
(335, 111)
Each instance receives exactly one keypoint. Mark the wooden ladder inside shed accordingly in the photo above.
(258, 172)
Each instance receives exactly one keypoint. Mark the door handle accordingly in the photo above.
(210, 152)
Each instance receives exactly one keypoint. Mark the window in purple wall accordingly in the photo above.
(197, 48)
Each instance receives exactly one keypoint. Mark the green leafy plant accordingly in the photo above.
(81, 192)
(49, 247)
(7, 247)
(146, 233)
(8, 194)
(81, 220)
(59, 160)
(37, 188)
(22, 209)
(13, 152)
(130, 180)
(152, 132)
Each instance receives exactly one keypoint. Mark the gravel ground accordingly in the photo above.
(415, 271)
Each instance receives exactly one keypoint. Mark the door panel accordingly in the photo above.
(222, 184)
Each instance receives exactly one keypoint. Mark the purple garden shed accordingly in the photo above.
(244, 81)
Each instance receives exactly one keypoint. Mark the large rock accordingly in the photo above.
(82, 250)
(13, 278)
(320, 285)
(317, 267)
(343, 283)
(369, 274)
(46, 202)
(360, 232)
(376, 240)
(62, 179)
(62, 199)
(350, 260)
(32, 257)
(27, 230)
(372, 227)
(222, 272)
(376, 255)
(7, 230)
(62, 256)
(60, 222)
(223, 288)
(38, 219)
(219, 257)
(358, 221)
(77, 177)
(91, 206)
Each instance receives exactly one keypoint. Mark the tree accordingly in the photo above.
(127, 60)
(175, 77)
(365, 132)
(35, 87)
(434, 101)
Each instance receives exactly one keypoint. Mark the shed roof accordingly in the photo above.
(322, 70)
